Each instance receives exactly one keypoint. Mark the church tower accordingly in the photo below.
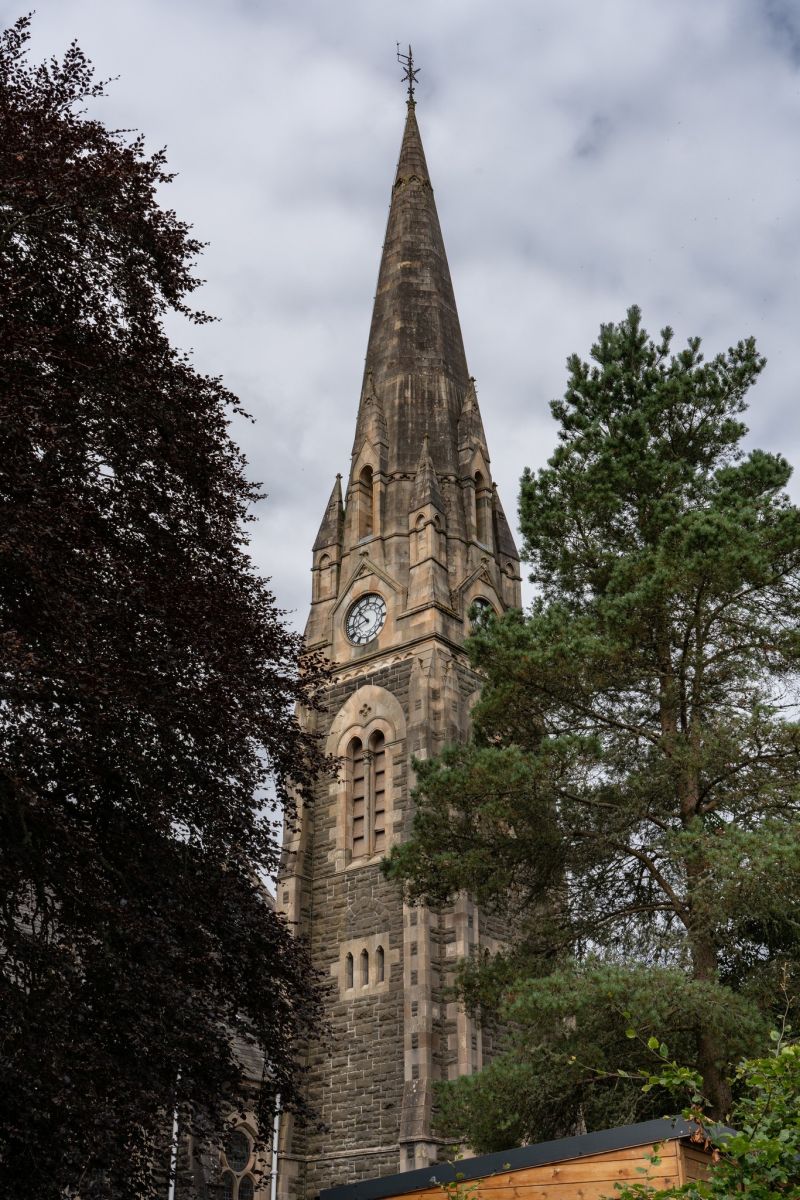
(415, 537)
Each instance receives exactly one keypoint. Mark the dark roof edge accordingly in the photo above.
(579, 1146)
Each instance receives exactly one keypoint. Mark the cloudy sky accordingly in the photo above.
(586, 155)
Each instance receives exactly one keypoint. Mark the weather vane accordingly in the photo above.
(410, 72)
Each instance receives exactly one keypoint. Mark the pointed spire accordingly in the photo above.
(426, 484)
(411, 163)
(330, 531)
(415, 349)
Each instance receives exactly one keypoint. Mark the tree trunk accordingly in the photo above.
(716, 1085)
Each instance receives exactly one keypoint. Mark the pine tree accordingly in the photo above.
(630, 799)
(148, 680)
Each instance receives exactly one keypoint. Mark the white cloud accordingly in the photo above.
(585, 157)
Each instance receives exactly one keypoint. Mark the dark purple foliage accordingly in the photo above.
(147, 683)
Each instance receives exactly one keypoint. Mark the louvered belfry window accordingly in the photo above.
(368, 795)
(358, 797)
(377, 745)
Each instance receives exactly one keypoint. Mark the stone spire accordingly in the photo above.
(330, 530)
(415, 350)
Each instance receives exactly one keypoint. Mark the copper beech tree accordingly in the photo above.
(148, 682)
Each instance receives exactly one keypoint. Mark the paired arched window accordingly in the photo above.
(367, 797)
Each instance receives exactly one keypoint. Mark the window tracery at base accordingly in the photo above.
(238, 1165)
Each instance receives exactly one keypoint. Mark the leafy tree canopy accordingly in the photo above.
(629, 801)
(148, 682)
(760, 1156)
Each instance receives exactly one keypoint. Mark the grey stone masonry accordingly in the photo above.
(418, 536)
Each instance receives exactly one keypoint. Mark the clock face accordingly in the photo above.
(365, 619)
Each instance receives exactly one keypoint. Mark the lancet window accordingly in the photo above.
(483, 510)
(364, 967)
(366, 515)
(325, 577)
(419, 538)
(377, 745)
(358, 797)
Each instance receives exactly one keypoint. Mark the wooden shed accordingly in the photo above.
(584, 1167)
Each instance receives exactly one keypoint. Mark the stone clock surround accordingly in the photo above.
(365, 618)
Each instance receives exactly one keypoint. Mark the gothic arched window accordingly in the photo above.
(365, 503)
(364, 968)
(380, 965)
(348, 971)
(236, 1161)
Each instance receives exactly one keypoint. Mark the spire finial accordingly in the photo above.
(410, 72)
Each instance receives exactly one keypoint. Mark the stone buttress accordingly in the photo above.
(418, 537)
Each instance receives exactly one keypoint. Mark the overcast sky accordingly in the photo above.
(585, 155)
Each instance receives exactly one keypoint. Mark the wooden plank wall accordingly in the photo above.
(696, 1163)
(590, 1178)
